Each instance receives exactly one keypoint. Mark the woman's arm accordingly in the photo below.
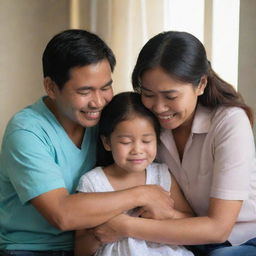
(182, 208)
(213, 228)
(85, 243)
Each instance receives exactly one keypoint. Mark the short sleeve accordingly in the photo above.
(234, 154)
(159, 174)
(85, 185)
(30, 165)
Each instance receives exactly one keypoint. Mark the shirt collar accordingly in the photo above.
(202, 120)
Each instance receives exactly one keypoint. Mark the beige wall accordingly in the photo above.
(26, 26)
(247, 54)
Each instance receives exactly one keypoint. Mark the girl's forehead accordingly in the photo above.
(135, 119)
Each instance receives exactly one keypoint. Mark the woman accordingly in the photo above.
(208, 145)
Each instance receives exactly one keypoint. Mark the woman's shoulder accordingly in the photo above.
(227, 116)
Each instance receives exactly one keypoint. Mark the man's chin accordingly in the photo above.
(89, 123)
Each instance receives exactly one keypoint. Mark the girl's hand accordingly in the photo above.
(112, 230)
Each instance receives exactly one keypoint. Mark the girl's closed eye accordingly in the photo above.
(125, 142)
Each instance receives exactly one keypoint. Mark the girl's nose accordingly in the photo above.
(137, 148)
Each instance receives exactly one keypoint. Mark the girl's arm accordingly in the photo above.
(213, 228)
(85, 243)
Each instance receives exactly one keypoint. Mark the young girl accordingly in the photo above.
(129, 135)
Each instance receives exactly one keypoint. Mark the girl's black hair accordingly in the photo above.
(123, 106)
(183, 57)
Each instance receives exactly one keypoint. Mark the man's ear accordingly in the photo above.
(202, 85)
(50, 87)
(105, 142)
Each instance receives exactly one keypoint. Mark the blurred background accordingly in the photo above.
(227, 28)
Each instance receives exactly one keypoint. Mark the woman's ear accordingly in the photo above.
(50, 87)
(202, 85)
(105, 142)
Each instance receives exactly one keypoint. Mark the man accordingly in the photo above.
(50, 144)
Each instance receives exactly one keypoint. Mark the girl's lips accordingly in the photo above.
(136, 160)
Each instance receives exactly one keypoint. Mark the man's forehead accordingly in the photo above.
(93, 87)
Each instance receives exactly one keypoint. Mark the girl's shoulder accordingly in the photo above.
(92, 180)
(159, 174)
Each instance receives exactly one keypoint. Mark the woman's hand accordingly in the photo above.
(112, 230)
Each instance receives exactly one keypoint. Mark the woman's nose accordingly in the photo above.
(159, 106)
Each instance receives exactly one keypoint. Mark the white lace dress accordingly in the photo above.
(96, 181)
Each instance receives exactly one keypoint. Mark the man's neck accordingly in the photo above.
(74, 131)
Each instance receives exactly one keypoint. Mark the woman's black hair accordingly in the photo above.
(124, 106)
(183, 57)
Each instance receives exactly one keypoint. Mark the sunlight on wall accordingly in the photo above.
(74, 14)
(186, 15)
(222, 49)
(226, 39)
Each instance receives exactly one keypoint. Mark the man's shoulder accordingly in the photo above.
(31, 118)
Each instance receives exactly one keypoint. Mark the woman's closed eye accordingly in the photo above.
(147, 141)
(171, 97)
(147, 94)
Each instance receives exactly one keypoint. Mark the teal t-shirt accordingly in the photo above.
(38, 156)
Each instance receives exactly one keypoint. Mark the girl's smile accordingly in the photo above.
(133, 145)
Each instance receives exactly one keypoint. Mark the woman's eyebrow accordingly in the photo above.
(163, 91)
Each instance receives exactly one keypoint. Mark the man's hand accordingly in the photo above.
(158, 203)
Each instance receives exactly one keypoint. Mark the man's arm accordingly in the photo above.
(86, 210)
(39, 180)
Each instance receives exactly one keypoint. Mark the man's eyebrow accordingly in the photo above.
(88, 87)
(108, 83)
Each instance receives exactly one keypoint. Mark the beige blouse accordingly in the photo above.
(218, 162)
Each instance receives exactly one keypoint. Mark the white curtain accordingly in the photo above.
(125, 25)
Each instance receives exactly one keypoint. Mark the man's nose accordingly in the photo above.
(97, 100)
